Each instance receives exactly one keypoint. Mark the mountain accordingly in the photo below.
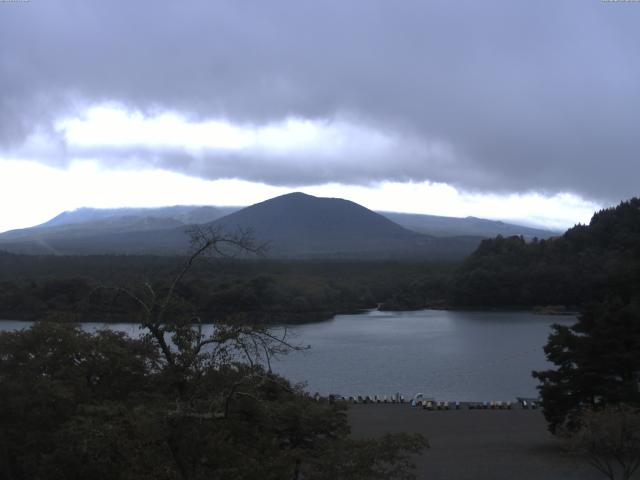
(301, 222)
(297, 225)
(294, 225)
(440, 226)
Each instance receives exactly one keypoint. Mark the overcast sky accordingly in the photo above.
(521, 110)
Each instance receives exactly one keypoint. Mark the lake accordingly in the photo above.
(450, 355)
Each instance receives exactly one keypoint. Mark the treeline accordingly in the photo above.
(94, 287)
(588, 263)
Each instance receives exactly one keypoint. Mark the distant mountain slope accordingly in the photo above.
(89, 222)
(180, 213)
(118, 230)
(91, 228)
(295, 226)
(439, 226)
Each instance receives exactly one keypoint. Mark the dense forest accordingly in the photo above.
(259, 290)
(585, 264)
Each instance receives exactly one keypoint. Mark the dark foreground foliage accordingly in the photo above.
(105, 406)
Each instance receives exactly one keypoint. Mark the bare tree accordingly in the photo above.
(610, 439)
(178, 331)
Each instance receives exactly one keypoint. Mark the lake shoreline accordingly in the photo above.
(318, 316)
(556, 310)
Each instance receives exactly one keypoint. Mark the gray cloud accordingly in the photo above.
(405, 162)
(538, 95)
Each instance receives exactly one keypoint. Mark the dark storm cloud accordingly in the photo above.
(530, 95)
(287, 169)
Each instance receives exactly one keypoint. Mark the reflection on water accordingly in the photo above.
(446, 354)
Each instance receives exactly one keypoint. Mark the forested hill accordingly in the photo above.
(585, 264)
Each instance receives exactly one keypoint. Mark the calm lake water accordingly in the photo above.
(479, 356)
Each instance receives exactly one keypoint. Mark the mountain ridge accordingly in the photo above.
(443, 226)
(295, 225)
(437, 225)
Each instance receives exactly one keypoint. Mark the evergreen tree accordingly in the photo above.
(597, 362)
